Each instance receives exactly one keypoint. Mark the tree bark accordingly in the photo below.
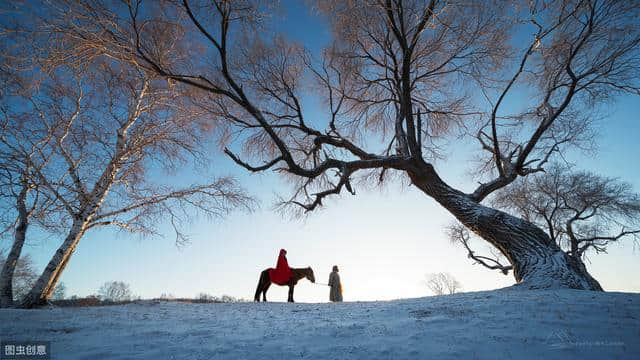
(46, 283)
(43, 289)
(538, 262)
(9, 267)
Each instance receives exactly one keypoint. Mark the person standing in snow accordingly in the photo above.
(335, 294)
(282, 273)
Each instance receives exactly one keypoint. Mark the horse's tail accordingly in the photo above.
(256, 297)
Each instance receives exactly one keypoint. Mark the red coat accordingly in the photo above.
(282, 273)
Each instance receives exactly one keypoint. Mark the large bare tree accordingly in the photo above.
(22, 200)
(95, 136)
(400, 76)
(120, 127)
(581, 212)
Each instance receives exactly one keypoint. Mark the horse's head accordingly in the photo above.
(309, 275)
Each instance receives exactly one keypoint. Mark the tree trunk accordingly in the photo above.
(9, 267)
(538, 262)
(44, 287)
(46, 283)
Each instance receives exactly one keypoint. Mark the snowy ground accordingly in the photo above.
(501, 324)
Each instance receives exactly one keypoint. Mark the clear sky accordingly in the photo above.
(384, 241)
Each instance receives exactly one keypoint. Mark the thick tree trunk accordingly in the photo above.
(45, 285)
(43, 289)
(9, 267)
(538, 262)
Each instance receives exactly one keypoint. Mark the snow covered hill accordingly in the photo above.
(501, 324)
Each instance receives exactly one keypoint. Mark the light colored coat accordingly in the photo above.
(336, 287)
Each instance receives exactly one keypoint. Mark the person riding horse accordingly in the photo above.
(282, 275)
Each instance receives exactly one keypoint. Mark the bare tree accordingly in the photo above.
(115, 291)
(22, 200)
(403, 70)
(23, 278)
(109, 141)
(15, 185)
(443, 283)
(579, 210)
(95, 132)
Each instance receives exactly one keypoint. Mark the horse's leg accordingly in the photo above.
(264, 291)
(256, 297)
(290, 299)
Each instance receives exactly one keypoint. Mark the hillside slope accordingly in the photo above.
(505, 324)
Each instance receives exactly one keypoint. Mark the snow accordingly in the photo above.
(505, 324)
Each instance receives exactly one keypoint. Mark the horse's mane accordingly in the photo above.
(301, 272)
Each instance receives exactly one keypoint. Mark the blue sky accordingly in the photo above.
(384, 241)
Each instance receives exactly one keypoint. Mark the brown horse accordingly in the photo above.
(296, 275)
